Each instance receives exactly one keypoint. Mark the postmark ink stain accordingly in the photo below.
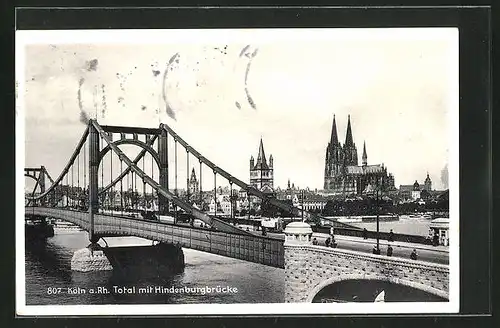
(92, 65)
(169, 110)
(243, 51)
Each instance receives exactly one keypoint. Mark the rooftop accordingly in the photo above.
(365, 169)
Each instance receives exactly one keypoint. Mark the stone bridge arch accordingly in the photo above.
(309, 268)
(358, 276)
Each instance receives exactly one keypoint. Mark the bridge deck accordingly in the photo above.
(257, 249)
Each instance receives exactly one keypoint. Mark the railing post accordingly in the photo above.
(93, 178)
(163, 154)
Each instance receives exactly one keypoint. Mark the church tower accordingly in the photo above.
(333, 159)
(262, 173)
(428, 183)
(193, 183)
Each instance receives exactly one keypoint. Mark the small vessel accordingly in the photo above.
(380, 297)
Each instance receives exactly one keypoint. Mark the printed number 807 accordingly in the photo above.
(54, 290)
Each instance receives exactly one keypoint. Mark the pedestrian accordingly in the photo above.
(327, 242)
(391, 236)
(365, 233)
(376, 250)
(435, 240)
(315, 242)
(333, 243)
(389, 250)
(413, 254)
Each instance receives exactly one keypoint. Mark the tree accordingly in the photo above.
(268, 210)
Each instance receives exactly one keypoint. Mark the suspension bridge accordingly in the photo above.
(103, 207)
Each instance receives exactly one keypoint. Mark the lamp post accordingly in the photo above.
(379, 186)
(378, 230)
(302, 208)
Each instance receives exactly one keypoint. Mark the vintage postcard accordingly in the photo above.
(237, 171)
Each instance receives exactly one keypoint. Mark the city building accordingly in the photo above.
(311, 200)
(261, 172)
(416, 191)
(223, 203)
(343, 175)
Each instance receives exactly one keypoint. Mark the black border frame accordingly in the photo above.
(475, 118)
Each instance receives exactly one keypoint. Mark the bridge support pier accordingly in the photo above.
(141, 260)
(297, 234)
(146, 261)
(38, 229)
(89, 259)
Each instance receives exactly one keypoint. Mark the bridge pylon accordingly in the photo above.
(163, 204)
(94, 160)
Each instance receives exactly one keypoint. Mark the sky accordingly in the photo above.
(222, 91)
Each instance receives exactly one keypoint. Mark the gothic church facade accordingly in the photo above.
(343, 174)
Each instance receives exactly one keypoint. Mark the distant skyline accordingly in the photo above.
(398, 86)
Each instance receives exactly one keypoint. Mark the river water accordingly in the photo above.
(403, 226)
(50, 281)
(49, 275)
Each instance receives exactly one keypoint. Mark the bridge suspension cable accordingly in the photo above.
(187, 175)
(201, 189)
(121, 187)
(85, 170)
(248, 188)
(66, 168)
(144, 185)
(175, 161)
(112, 194)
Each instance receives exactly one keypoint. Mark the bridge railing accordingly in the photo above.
(267, 251)
(73, 216)
(370, 234)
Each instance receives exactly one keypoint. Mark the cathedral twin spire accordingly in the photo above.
(350, 151)
(334, 140)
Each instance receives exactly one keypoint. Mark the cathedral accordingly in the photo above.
(261, 173)
(343, 174)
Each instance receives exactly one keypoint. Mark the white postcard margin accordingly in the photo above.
(24, 38)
